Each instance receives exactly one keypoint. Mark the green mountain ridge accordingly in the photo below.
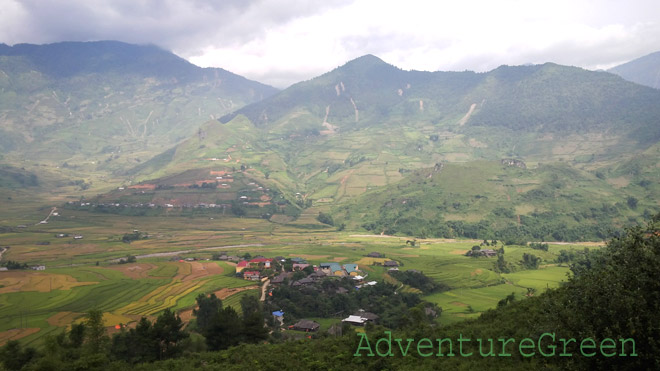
(644, 70)
(367, 126)
(98, 107)
(328, 143)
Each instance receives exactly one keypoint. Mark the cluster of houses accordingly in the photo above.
(64, 235)
(252, 269)
(34, 268)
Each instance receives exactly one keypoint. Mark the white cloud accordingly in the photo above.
(281, 42)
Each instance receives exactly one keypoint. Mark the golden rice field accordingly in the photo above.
(17, 281)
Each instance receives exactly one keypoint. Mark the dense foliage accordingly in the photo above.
(326, 299)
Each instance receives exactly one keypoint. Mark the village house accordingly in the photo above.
(278, 315)
(488, 252)
(279, 279)
(254, 264)
(306, 325)
(485, 252)
(351, 269)
(299, 266)
(303, 282)
(360, 318)
(259, 260)
(367, 315)
(317, 275)
(355, 320)
(332, 269)
(370, 283)
(252, 275)
(241, 266)
(390, 263)
(375, 255)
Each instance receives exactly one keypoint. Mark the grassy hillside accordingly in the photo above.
(494, 200)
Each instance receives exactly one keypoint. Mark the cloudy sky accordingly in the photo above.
(280, 42)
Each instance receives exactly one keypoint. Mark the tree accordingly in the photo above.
(224, 330)
(632, 202)
(530, 261)
(325, 219)
(135, 345)
(168, 333)
(77, 335)
(253, 321)
(14, 357)
(95, 335)
(208, 306)
(501, 265)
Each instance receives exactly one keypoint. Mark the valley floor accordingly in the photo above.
(80, 253)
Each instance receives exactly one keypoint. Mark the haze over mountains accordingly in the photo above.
(577, 145)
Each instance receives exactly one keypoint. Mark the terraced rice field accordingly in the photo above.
(34, 304)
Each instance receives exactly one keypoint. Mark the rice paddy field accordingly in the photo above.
(83, 274)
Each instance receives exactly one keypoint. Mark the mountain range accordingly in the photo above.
(644, 70)
(549, 150)
(101, 106)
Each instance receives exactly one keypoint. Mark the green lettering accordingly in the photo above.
(363, 336)
(491, 353)
(420, 346)
(592, 346)
(387, 340)
(440, 341)
(504, 343)
(566, 342)
(553, 347)
(404, 352)
(461, 339)
(623, 342)
(522, 346)
(611, 346)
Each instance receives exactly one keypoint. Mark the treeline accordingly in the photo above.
(87, 346)
(540, 227)
(11, 264)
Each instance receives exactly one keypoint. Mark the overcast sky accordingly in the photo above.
(280, 42)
